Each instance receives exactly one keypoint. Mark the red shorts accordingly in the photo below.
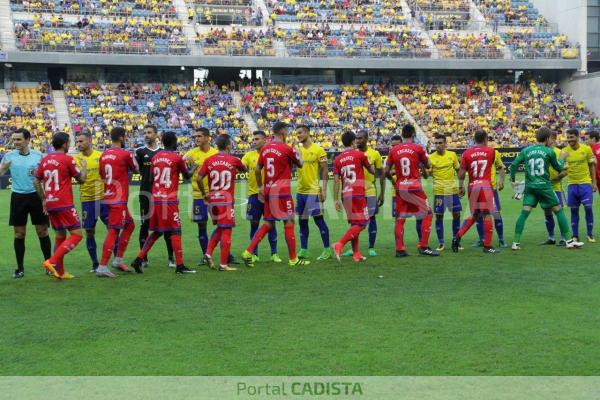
(222, 214)
(64, 219)
(278, 208)
(165, 218)
(118, 216)
(411, 204)
(357, 211)
(481, 200)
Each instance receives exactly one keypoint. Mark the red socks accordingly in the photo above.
(109, 245)
(124, 239)
(214, 240)
(225, 245)
(467, 224)
(65, 247)
(488, 232)
(399, 231)
(425, 231)
(177, 248)
(352, 233)
(150, 240)
(290, 239)
(258, 236)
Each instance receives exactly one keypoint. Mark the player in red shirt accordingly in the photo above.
(478, 161)
(221, 170)
(53, 184)
(115, 165)
(348, 173)
(166, 166)
(595, 145)
(277, 159)
(409, 160)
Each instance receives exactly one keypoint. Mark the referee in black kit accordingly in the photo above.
(143, 156)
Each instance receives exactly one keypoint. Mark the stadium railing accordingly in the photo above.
(178, 48)
(235, 50)
(138, 13)
(354, 52)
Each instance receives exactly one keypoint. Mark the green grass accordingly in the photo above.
(531, 313)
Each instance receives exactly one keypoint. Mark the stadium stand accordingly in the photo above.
(136, 8)
(329, 110)
(511, 112)
(237, 42)
(469, 45)
(511, 12)
(444, 14)
(98, 107)
(224, 12)
(118, 35)
(525, 43)
(344, 11)
(30, 107)
(348, 41)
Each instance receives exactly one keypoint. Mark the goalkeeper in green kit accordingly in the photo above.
(538, 187)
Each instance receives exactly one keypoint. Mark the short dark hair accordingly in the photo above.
(117, 133)
(150, 126)
(259, 132)
(573, 131)
(278, 127)
(408, 131)
(26, 134)
(348, 138)
(59, 139)
(396, 137)
(87, 134)
(480, 137)
(363, 132)
(594, 135)
(440, 136)
(543, 134)
(553, 134)
(169, 140)
(223, 141)
(204, 131)
(303, 127)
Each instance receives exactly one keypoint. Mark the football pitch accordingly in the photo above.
(529, 313)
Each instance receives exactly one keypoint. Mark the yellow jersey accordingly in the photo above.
(577, 163)
(497, 164)
(199, 156)
(308, 175)
(557, 187)
(376, 161)
(93, 188)
(443, 170)
(250, 160)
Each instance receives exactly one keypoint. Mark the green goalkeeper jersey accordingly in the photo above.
(537, 159)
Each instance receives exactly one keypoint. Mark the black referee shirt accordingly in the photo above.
(143, 156)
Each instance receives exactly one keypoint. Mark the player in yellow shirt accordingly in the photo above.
(310, 195)
(196, 157)
(444, 165)
(581, 174)
(556, 178)
(374, 201)
(498, 176)
(91, 194)
(255, 207)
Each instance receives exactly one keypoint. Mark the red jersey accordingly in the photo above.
(407, 158)
(478, 161)
(55, 172)
(115, 164)
(221, 170)
(350, 167)
(166, 166)
(277, 158)
(596, 151)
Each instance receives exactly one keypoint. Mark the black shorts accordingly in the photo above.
(22, 205)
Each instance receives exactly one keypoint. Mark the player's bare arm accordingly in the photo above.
(501, 177)
(259, 182)
(381, 199)
(461, 182)
(4, 167)
(336, 193)
(298, 162)
(592, 166)
(388, 173)
(199, 179)
(82, 172)
(324, 180)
